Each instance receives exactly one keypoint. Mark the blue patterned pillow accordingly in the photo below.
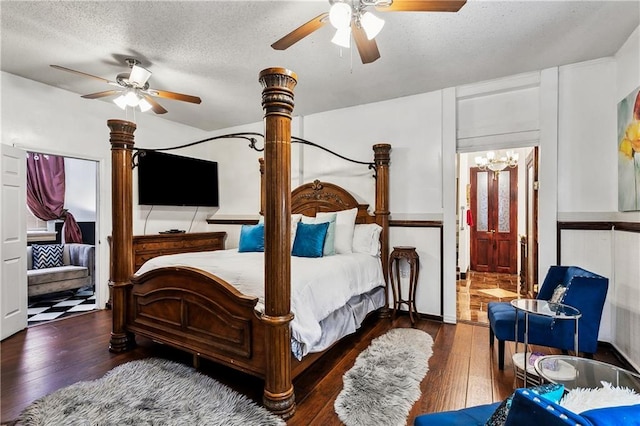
(47, 256)
(553, 392)
(251, 238)
(309, 240)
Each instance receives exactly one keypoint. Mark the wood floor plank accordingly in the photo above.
(480, 384)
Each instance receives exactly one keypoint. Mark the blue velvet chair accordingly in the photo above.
(585, 291)
(529, 409)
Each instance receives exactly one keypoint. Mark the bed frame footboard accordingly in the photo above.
(199, 313)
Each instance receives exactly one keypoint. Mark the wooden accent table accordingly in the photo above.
(410, 254)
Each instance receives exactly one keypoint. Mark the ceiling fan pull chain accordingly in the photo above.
(351, 61)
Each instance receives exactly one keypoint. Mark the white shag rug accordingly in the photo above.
(384, 382)
(148, 392)
(582, 399)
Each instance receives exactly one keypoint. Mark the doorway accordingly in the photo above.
(494, 234)
(495, 212)
(60, 296)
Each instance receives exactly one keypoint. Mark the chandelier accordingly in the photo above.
(497, 162)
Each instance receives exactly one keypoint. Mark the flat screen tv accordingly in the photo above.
(173, 180)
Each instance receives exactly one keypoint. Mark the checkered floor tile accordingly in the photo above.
(59, 305)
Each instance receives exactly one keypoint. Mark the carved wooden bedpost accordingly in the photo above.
(277, 103)
(121, 139)
(381, 157)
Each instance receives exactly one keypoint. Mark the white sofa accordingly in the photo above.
(78, 271)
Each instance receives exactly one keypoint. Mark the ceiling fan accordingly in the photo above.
(351, 17)
(133, 89)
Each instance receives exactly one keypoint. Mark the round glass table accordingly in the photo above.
(575, 372)
(557, 311)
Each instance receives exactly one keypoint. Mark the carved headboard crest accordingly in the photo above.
(331, 197)
(318, 196)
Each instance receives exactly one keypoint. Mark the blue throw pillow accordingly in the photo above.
(553, 392)
(309, 240)
(251, 238)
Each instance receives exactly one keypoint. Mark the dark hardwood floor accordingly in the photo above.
(462, 371)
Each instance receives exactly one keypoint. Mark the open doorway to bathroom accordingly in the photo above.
(497, 211)
(61, 273)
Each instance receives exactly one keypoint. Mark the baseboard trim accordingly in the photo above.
(621, 358)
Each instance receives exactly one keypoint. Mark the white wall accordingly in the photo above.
(588, 183)
(626, 252)
(81, 188)
(49, 120)
(587, 134)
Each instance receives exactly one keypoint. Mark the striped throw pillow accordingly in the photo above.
(47, 256)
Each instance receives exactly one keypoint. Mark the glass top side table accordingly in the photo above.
(575, 372)
(541, 307)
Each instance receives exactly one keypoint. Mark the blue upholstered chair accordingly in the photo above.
(584, 291)
(529, 409)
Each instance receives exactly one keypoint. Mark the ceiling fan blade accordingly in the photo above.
(368, 49)
(173, 95)
(84, 74)
(301, 32)
(423, 6)
(101, 94)
(155, 107)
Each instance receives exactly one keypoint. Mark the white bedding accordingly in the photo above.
(319, 286)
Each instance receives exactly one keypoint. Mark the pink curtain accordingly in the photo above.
(45, 193)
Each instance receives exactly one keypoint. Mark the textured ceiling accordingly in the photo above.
(215, 49)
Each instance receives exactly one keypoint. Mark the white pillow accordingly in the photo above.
(345, 224)
(366, 238)
(579, 400)
(295, 218)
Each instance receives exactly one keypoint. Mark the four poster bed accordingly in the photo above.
(201, 312)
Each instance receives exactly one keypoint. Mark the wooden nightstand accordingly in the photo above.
(410, 254)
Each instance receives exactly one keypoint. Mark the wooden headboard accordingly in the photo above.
(317, 196)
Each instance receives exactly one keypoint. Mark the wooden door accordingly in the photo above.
(494, 206)
(532, 224)
(13, 241)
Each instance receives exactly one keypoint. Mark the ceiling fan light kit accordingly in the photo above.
(340, 15)
(351, 18)
(139, 76)
(121, 101)
(372, 24)
(144, 105)
(131, 98)
(342, 37)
